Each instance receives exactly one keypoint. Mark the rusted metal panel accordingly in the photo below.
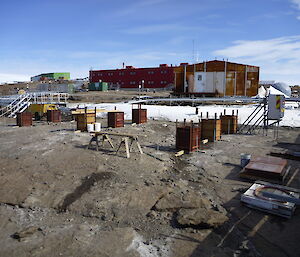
(54, 116)
(188, 137)
(115, 119)
(240, 83)
(241, 79)
(179, 83)
(265, 167)
(254, 78)
(139, 116)
(215, 66)
(269, 160)
(211, 129)
(229, 124)
(230, 83)
(24, 119)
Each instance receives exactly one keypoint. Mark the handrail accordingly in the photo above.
(251, 117)
(37, 97)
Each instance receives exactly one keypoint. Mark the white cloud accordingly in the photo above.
(279, 58)
(296, 3)
(9, 77)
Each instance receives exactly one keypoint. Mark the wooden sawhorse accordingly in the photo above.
(105, 138)
(127, 140)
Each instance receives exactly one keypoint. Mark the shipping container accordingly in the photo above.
(98, 86)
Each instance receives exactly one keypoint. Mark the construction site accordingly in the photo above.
(150, 128)
(128, 176)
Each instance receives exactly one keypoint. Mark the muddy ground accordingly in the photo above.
(114, 96)
(58, 198)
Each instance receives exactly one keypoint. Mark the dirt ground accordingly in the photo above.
(58, 198)
(114, 96)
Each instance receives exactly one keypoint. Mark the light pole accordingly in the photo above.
(140, 92)
(143, 82)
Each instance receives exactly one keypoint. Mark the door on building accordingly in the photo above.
(200, 82)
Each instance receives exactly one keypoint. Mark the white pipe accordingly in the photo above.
(245, 81)
(225, 78)
(235, 83)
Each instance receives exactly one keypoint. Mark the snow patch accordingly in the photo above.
(148, 250)
(172, 113)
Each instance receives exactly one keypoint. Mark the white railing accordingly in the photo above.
(21, 102)
(49, 98)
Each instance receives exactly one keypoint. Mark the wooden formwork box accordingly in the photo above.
(188, 137)
(139, 115)
(24, 119)
(115, 119)
(54, 116)
(85, 118)
(229, 124)
(211, 129)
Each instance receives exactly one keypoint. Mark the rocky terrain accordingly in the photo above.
(58, 198)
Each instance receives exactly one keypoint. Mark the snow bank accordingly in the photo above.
(171, 113)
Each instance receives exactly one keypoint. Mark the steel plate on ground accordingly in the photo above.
(269, 159)
(273, 168)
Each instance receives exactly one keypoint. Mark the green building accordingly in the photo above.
(98, 86)
(52, 76)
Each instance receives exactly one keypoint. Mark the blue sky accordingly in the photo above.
(38, 36)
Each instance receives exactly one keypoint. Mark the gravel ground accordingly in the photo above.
(59, 199)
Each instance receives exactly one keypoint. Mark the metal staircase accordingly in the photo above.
(21, 102)
(257, 118)
(18, 105)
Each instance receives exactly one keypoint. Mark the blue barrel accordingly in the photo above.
(245, 159)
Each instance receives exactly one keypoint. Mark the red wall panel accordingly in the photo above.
(158, 77)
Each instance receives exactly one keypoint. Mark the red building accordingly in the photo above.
(130, 77)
